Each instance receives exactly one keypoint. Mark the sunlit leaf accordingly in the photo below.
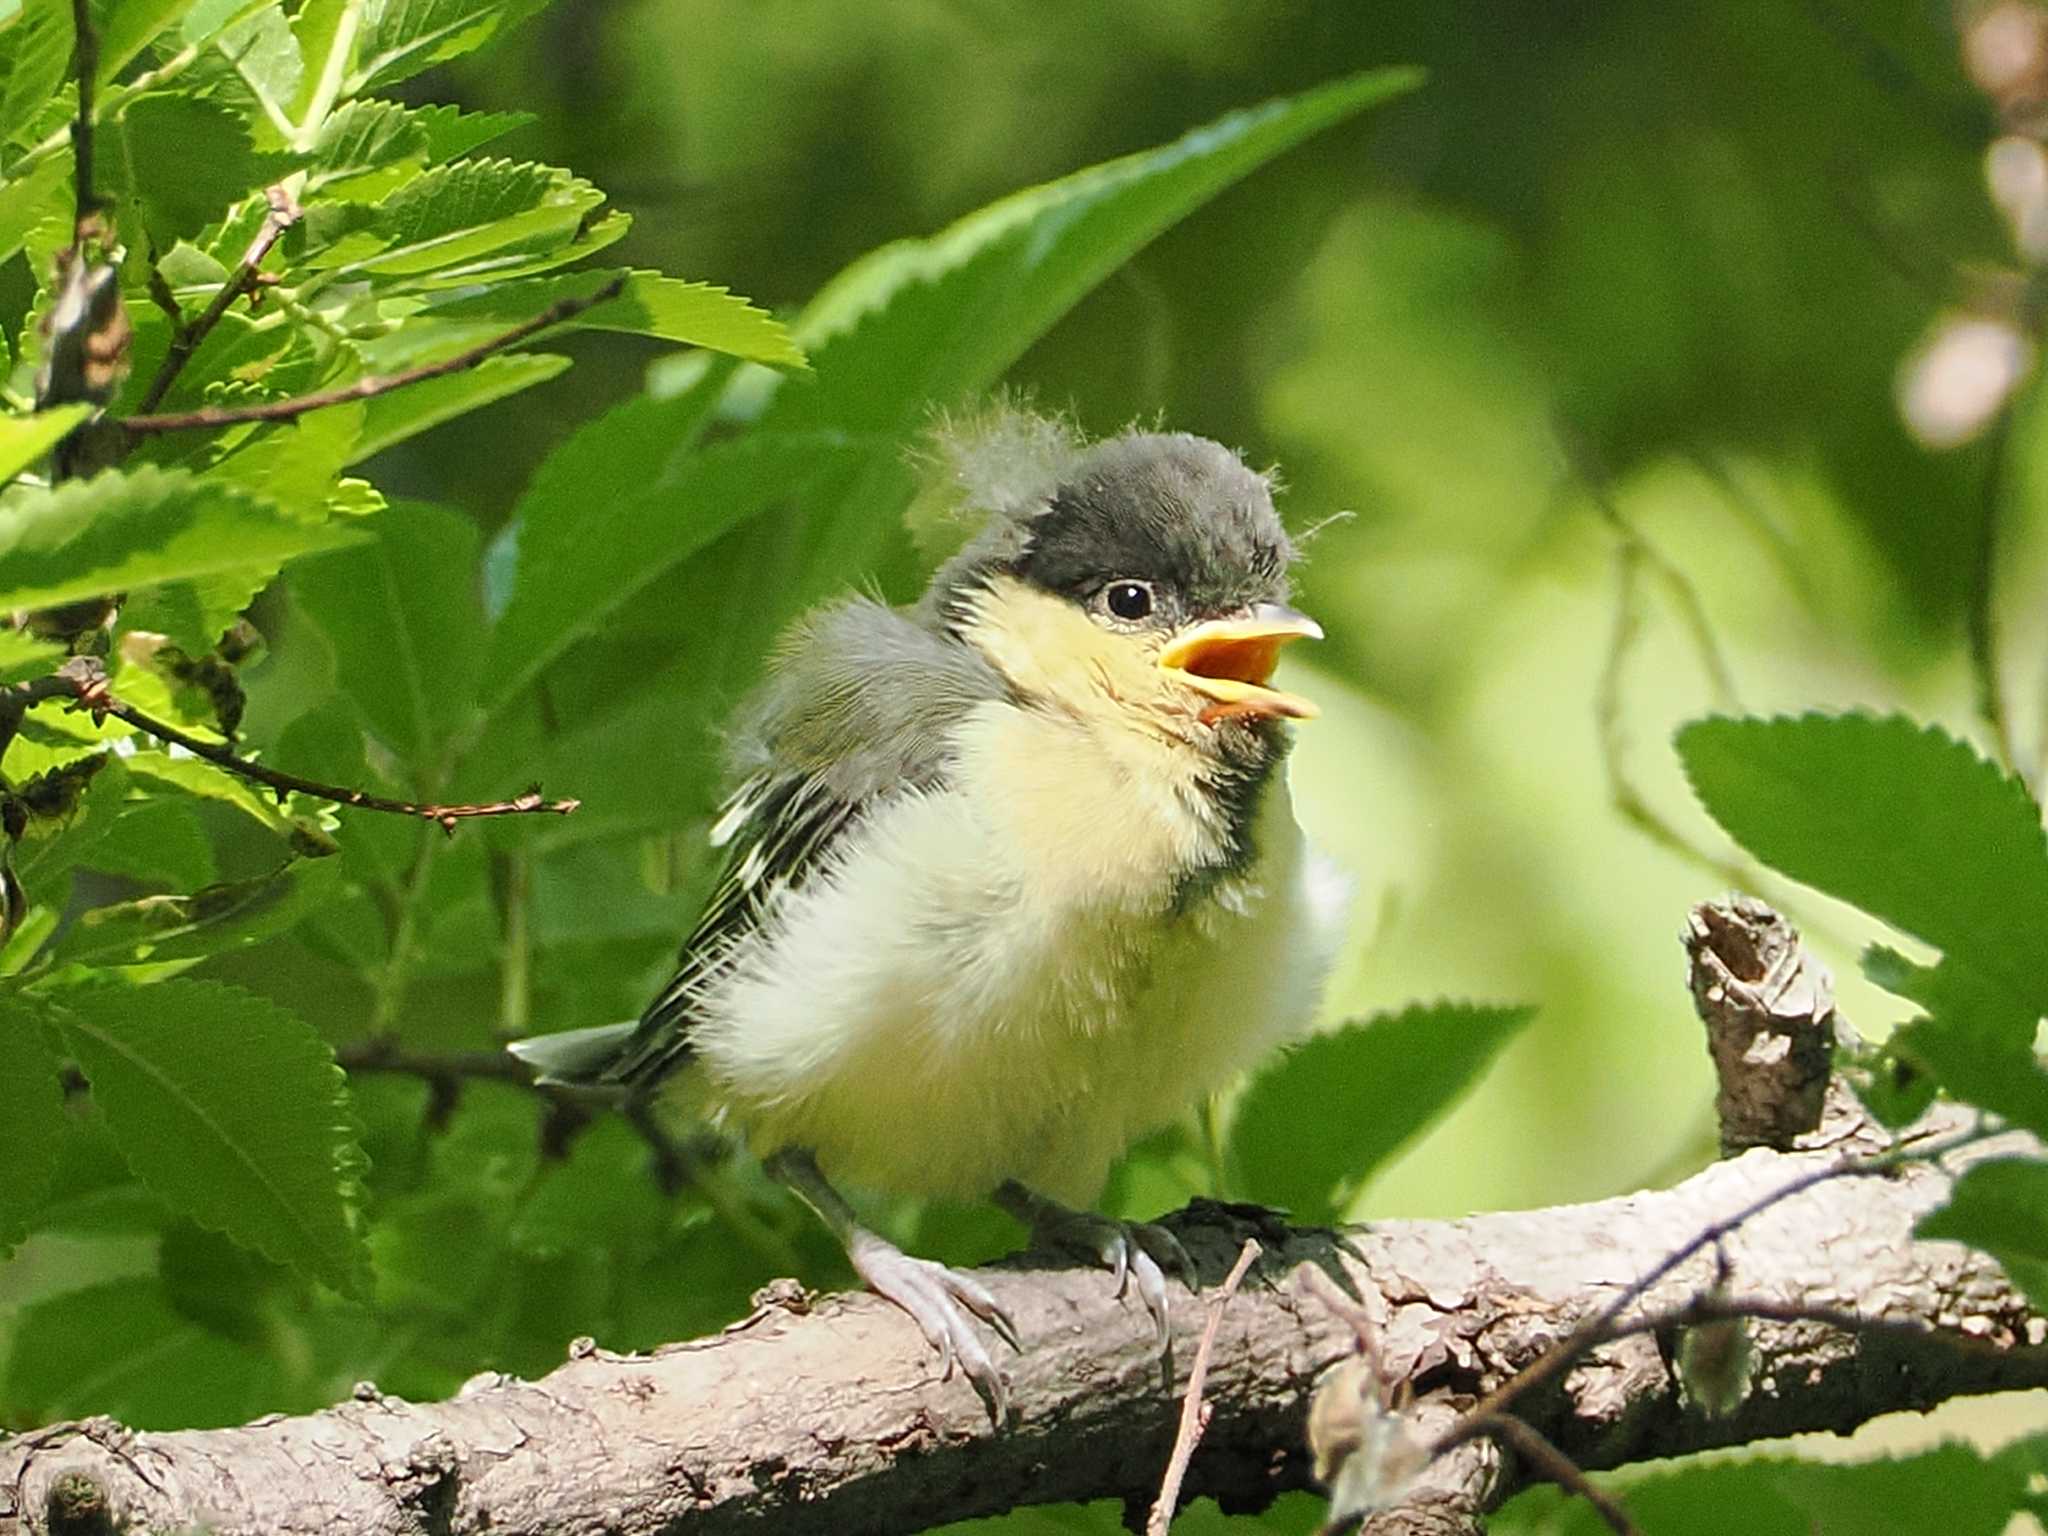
(1903, 821)
(696, 314)
(125, 529)
(2001, 1206)
(26, 439)
(195, 776)
(452, 132)
(233, 1111)
(455, 215)
(26, 202)
(35, 47)
(366, 149)
(402, 37)
(923, 322)
(126, 27)
(1327, 1114)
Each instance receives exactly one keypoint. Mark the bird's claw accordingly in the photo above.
(1136, 1253)
(936, 1297)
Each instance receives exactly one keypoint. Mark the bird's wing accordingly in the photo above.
(860, 709)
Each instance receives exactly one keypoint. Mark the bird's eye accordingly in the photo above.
(1130, 600)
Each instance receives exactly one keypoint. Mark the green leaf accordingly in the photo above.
(405, 619)
(266, 56)
(33, 1126)
(455, 215)
(1983, 1066)
(1903, 821)
(404, 413)
(1327, 1114)
(187, 162)
(696, 314)
(402, 37)
(121, 1348)
(126, 27)
(2001, 1206)
(451, 132)
(197, 777)
(365, 150)
(1951, 1489)
(933, 321)
(125, 529)
(230, 915)
(22, 655)
(35, 50)
(161, 844)
(26, 202)
(24, 440)
(605, 517)
(233, 1112)
(47, 851)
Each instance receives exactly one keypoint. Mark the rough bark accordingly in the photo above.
(832, 1417)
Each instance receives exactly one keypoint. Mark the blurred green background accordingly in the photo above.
(1615, 263)
(1581, 363)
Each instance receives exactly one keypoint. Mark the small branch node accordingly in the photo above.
(370, 385)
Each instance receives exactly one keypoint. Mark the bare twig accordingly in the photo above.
(1979, 621)
(1534, 1447)
(87, 55)
(88, 683)
(1635, 554)
(283, 213)
(1604, 1326)
(374, 384)
(1194, 1413)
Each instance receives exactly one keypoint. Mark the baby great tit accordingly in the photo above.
(1011, 876)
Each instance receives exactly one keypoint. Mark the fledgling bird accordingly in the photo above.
(1011, 875)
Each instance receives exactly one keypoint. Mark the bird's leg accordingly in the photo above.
(1133, 1251)
(932, 1294)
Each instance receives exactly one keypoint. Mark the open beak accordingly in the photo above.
(1231, 660)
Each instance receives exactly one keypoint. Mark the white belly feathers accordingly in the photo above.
(1011, 993)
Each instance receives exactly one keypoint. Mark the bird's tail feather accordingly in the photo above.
(574, 1057)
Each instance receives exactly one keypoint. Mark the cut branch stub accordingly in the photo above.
(1769, 1008)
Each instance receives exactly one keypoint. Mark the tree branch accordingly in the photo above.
(86, 54)
(371, 385)
(833, 1418)
(247, 277)
(87, 679)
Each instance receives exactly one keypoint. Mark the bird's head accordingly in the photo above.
(1147, 586)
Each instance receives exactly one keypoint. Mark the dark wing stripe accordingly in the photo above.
(777, 832)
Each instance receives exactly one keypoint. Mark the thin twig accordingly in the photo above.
(371, 385)
(87, 55)
(89, 684)
(388, 1056)
(1534, 1447)
(1980, 623)
(1603, 1326)
(283, 213)
(1194, 1413)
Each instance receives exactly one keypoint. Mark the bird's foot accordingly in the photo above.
(938, 1299)
(1136, 1253)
